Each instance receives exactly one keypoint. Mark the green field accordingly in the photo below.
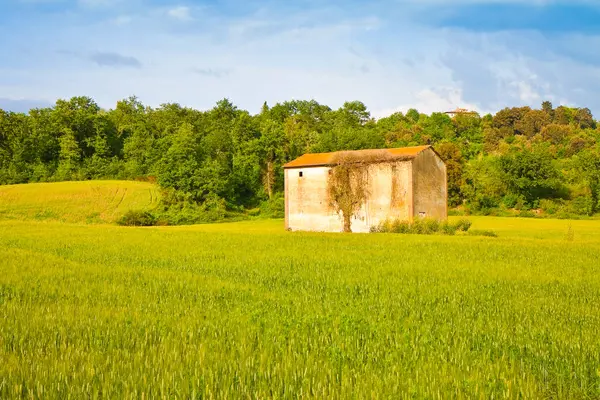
(247, 310)
(90, 202)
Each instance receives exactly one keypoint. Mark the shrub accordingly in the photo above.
(526, 214)
(478, 232)
(422, 227)
(253, 212)
(137, 218)
(399, 226)
(485, 203)
(549, 206)
(274, 207)
(511, 200)
(463, 224)
(447, 228)
(430, 226)
(583, 205)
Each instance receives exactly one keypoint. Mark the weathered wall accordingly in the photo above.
(307, 203)
(307, 207)
(429, 186)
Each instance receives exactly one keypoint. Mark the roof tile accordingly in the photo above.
(322, 159)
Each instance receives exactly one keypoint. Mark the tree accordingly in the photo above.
(588, 166)
(271, 145)
(225, 155)
(555, 133)
(179, 166)
(469, 133)
(584, 118)
(70, 155)
(438, 126)
(491, 139)
(413, 115)
(563, 115)
(530, 174)
(548, 109)
(507, 119)
(452, 156)
(532, 123)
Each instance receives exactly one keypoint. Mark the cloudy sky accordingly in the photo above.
(432, 55)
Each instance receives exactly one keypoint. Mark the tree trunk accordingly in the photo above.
(347, 223)
(268, 179)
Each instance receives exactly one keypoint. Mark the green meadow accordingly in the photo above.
(248, 310)
(91, 202)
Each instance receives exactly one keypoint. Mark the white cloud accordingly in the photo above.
(433, 100)
(391, 65)
(182, 13)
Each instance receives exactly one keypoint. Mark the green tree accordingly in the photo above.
(532, 123)
(70, 155)
(452, 156)
(588, 166)
(530, 174)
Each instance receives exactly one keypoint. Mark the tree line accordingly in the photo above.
(226, 160)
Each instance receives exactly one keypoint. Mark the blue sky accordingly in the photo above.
(432, 55)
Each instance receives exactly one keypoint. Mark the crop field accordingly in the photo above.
(247, 310)
(89, 202)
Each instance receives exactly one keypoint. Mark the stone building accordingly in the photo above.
(403, 183)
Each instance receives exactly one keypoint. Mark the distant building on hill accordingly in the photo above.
(399, 184)
(460, 111)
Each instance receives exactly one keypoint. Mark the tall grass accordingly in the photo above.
(424, 226)
(248, 311)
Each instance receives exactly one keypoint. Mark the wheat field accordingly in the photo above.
(88, 202)
(247, 310)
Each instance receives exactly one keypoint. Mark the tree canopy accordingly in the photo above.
(520, 157)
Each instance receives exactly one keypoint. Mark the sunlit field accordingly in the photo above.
(88, 202)
(247, 310)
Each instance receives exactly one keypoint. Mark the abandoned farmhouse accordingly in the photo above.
(355, 190)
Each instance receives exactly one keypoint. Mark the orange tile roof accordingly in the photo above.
(321, 159)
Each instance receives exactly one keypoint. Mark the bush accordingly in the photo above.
(447, 228)
(399, 226)
(430, 226)
(463, 224)
(274, 207)
(582, 205)
(253, 212)
(511, 200)
(177, 208)
(526, 214)
(422, 227)
(549, 206)
(137, 218)
(485, 203)
(477, 232)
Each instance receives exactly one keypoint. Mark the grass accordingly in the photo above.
(247, 310)
(89, 202)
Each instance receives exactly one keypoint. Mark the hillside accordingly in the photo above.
(89, 202)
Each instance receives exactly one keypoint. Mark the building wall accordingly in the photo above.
(307, 203)
(307, 208)
(430, 186)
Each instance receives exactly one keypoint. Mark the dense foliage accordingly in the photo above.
(226, 159)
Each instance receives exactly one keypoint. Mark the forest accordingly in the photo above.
(227, 163)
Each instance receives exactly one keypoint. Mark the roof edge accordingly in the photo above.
(406, 157)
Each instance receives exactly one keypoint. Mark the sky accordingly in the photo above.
(432, 55)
